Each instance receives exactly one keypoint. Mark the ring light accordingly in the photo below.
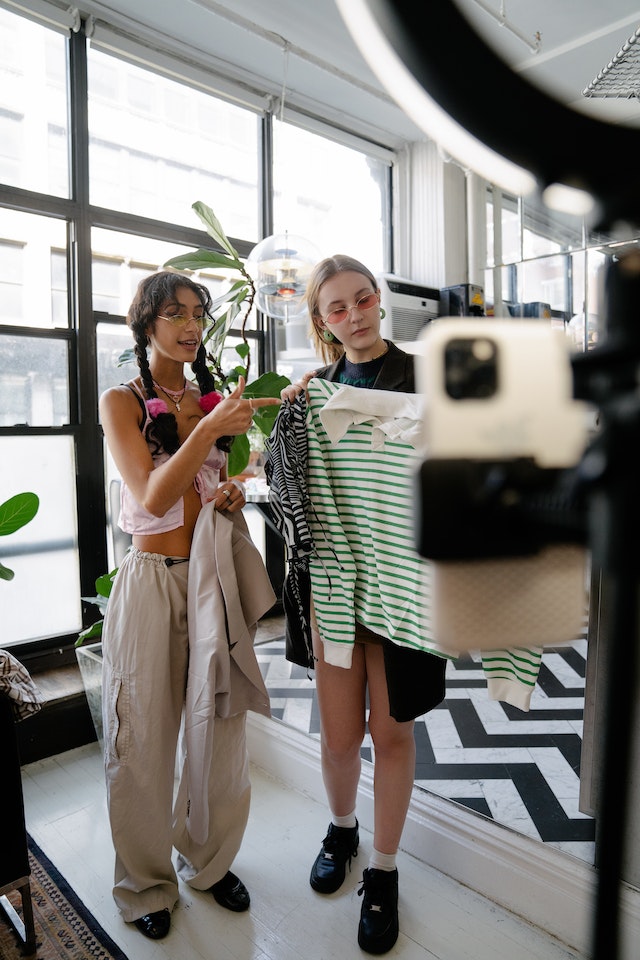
(489, 118)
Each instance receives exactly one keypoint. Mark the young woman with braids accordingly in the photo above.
(190, 561)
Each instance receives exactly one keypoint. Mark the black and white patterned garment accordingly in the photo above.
(286, 473)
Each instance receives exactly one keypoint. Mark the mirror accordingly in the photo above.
(545, 134)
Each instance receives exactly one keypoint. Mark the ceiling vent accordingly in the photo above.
(621, 76)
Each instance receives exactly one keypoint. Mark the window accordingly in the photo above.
(155, 146)
(45, 599)
(30, 246)
(544, 264)
(33, 103)
(152, 155)
(336, 196)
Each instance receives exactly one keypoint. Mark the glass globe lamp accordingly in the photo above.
(280, 266)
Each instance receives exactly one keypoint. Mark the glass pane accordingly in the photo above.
(575, 324)
(43, 599)
(587, 283)
(510, 231)
(34, 382)
(548, 231)
(33, 279)
(34, 138)
(545, 289)
(333, 195)
(112, 341)
(157, 146)
(121, 260)
(490, 230)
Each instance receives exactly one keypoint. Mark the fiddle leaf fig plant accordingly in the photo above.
(236, 301)
(14, 514)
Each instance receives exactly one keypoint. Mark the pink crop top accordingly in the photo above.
(135, 519)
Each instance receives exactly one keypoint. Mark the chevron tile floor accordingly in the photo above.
(521, 769)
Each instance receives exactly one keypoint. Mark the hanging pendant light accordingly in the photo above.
(280, 266)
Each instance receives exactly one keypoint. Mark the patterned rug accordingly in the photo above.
(64, 927)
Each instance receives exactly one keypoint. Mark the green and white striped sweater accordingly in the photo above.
(363, 450)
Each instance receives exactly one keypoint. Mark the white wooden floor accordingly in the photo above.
(66, 815)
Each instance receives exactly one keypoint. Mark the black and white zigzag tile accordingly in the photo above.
(522, 769)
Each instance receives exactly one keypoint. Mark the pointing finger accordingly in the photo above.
(264, 402)
(239, 390)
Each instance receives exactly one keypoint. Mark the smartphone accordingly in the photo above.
(499, 389)
(500, 424)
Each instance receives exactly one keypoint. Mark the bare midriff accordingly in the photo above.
(173, 543)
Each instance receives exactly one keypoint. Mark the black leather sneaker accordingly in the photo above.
(154, 925)
(230, 892)
(378, 929)
(338, 847)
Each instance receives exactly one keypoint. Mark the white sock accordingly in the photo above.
(382, 861)
(348, 821)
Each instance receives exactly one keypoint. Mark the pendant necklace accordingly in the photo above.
(174, 395)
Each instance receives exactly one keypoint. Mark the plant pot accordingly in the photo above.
(89, 659)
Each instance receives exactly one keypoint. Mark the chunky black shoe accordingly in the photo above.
(338, 847)
(154, 925)
(378, 929)
(230, 892)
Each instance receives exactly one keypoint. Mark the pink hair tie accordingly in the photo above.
(156, 406)
(210, 400)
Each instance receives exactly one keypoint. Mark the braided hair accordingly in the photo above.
(152, 292)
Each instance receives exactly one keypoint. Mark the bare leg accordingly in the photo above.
(341, 697)
(394, 757)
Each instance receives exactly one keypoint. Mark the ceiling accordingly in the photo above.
(578, 39)
(305, 50)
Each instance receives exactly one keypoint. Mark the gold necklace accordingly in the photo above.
(381, 354)
(174, 395)
(371, 359)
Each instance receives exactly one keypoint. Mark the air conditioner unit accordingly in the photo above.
(408, 307)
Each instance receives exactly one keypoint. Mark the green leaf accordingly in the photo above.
(6, 573)
(105, 583)
(213, 227)
(17, 511)
(266, 385)
(93, 632)
(127, 356)
(202, 260)
(265, 418)
(217, 334)
(99, 602)
(237, 291)
(242, 349)
(238, 455)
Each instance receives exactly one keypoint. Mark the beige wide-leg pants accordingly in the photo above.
(145, 670)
